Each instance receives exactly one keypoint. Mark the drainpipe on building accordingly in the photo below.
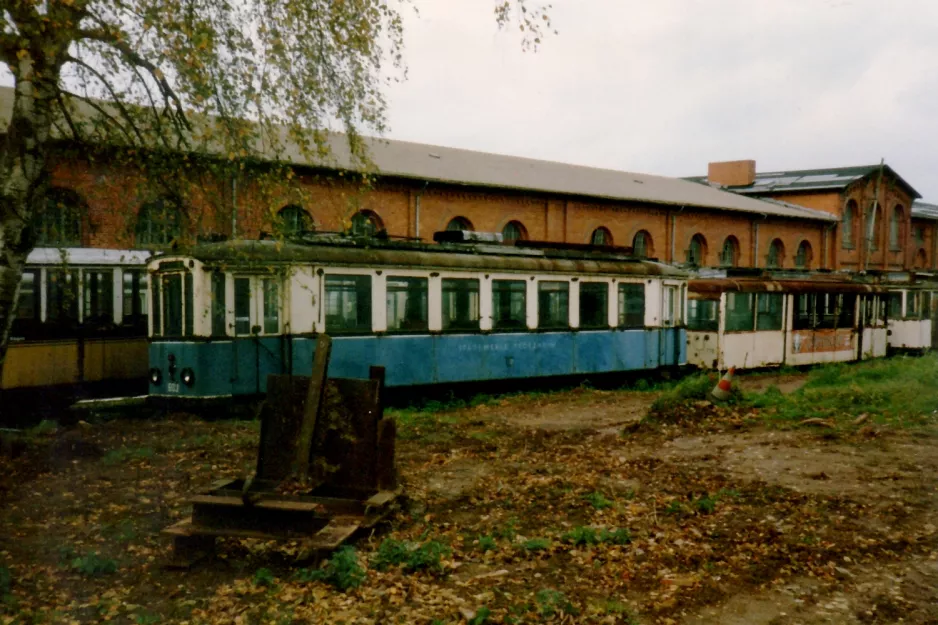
(234, 207)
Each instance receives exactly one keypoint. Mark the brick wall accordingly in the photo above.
(113, 197)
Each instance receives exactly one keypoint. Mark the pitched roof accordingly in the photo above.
(430, 163)
(481, 169)
(924, 210)
(833, 178)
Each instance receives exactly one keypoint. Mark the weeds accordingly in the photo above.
(342, 571)
(553, 602)
(411, 558)
(125, 454)
(536, 544)
(582, 535)
(597, 500)
(481, 616)
(93, 564)
(706, 504)
(486, 543)
(263, 577)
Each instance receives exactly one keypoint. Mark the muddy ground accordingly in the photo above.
(729, 521)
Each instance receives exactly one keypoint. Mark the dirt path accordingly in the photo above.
(543, 506)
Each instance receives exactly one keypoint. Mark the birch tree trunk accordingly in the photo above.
(23, 179)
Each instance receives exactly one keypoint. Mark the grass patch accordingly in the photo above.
(898, 391)
(597, 500)
(410, 557)
(342, 571)
(486, 543)
(536, 544)
(126, 454)
(583, 535)
(93, 564)
(552, 602)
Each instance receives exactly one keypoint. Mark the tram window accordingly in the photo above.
(190, 296)
(348, 303)
(848, 304)
(135, 295)
(553, 305)
(703, 315)
(271, 306)
(460, 304)
(62, 296)
(895, 305)
(407, 304)
(172, 304)
(242, 297)
(594, 305)
(769, 307)
(98, 300)
(28, 305)
(219, 293)
(157, 317)
(631, 305)
(740, 312)
(913, 305)
(509, 304)
(670, 304)
(804, 311)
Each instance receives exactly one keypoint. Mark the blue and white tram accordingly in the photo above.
(225, 315)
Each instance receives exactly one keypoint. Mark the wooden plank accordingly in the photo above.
(336, 532)
(317, 385)
(381, 498)
(281, 418)
(385, 467)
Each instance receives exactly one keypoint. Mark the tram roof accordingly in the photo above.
(816, 284)
(86, 256)
(245, 253)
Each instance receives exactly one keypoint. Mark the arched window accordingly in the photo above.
(459, 223)
(850, 211)
(58, 223)
(366, 223)
(776, 256)
(601, 236)
(921, 260)
(159, 222)
(804, 256)
(895, 227)
(729, 256)
(697, 250)
(641, 245)
(514, 231)
(292, 219)
(873, 228)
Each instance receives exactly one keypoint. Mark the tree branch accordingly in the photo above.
(131, 57)
(114, 97)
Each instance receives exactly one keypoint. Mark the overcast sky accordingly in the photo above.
(665, 86)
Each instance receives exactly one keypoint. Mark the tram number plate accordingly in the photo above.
(172, 387)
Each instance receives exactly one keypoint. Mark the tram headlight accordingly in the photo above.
(156, 376)
(188, 376)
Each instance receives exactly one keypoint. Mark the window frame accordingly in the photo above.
(623, 320)
(603, 323)
(470, 327)
(523, 290)
(369, 302)
(541, 291)
(410, 277)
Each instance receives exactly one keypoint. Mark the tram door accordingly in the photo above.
(256, 350)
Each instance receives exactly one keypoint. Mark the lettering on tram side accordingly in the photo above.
(819, 341)
(172, 387)
(520, 346)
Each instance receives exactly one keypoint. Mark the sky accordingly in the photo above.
(666, 86)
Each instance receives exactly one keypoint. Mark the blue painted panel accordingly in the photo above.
(240, 366)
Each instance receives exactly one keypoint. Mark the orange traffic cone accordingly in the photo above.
(724, 387)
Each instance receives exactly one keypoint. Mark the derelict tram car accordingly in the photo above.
(913, 315)
(225, 315)
(751, 321)
(80, 329)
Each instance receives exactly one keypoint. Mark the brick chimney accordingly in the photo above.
(732, 173)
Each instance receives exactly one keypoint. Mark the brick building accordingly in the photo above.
(812, 219)
(880, 224)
